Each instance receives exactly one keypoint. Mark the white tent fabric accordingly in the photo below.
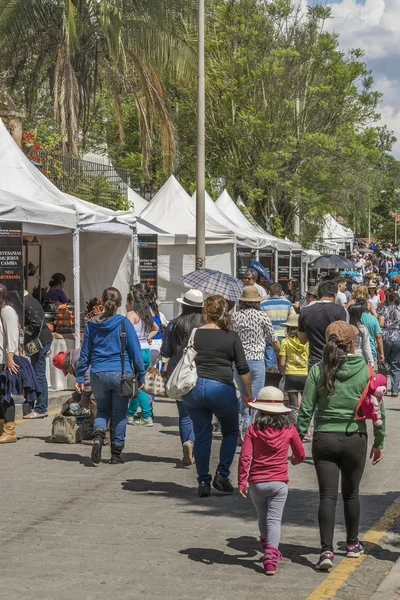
(20, 177)
(172, 215)
(244, 237)
(229, 208)
(334, 232)
(38, 218)
(139, 203)
(172, 211)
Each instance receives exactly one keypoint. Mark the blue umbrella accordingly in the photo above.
(254, 264)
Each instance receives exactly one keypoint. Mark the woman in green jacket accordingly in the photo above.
(333, 389)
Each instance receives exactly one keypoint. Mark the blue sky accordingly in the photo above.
(374, 26)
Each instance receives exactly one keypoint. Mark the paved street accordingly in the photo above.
(71, 531)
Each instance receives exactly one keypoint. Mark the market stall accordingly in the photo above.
(171, 215)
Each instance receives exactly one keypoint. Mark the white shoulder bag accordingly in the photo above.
(184, 376)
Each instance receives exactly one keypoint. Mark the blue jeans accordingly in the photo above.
(38, 362)
(106, 387)
(392, 355)
(210, 397)
(142, 398)
(257, 374)
(185, 423)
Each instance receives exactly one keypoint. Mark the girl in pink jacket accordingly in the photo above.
(263, 468)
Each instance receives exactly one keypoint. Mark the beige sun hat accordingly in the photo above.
(250, 294)
(270, 400)
(192, 298)
(293, 321)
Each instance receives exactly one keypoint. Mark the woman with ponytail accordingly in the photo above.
(334, 387)
(101, 351)
(218, 348)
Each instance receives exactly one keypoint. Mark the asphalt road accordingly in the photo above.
(72, 531)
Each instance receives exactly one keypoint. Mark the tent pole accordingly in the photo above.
(201, 150)
(276, 266)
(135, 256)
(77, 286)
(235, 258)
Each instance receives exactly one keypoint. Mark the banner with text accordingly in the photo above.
(148, 259)
(243, 258)
(296, 265)
(284, 269)
(267, 259)
(12, 264)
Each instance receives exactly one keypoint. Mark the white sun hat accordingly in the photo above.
(192, 298)
(270, 399)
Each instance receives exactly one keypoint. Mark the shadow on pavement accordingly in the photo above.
(166, 421)
(83, 460)
(148, 458)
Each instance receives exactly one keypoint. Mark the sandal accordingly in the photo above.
(35, 415)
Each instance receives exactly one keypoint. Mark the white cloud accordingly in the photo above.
(374, 27)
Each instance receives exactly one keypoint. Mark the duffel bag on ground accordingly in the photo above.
(64, 430)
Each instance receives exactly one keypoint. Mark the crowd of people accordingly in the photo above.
(274, 371)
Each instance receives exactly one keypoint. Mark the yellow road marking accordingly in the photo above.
(52, 412)
(339, 575)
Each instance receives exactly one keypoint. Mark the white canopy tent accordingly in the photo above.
(139, 203)
(172, 215)
(334, 233)
(52, 216)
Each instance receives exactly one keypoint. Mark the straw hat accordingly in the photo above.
(250, 294)
(192, 298)
(270, 400)
(293, 321)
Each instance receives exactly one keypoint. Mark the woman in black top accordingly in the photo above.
(217, 347)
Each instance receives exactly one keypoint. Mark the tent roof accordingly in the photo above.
(20, 177)
(38, 218)
(334, 231)
(244, 237)
(172, 211)
(233, 212)
(139, 203)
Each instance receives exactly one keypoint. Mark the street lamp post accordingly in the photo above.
(201, 147)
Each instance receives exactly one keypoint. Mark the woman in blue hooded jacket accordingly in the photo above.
(101, 351)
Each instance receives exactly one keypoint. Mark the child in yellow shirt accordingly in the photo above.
(293, 361)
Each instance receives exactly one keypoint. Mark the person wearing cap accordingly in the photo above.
(373, 295)
(339, 447)
(250, 279)
(175, 339)
(68, 363)
(311, 295)
(263, 468)
(293, 361)
(254, 328)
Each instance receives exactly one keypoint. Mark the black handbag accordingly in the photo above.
(384, 368)
(34, 346)
(129, 386)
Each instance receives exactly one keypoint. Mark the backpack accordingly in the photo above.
(64, 430)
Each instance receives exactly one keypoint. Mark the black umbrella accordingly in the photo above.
(332, 261)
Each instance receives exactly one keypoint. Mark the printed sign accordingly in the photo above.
(312, 277)
(12, 264)
(267, 259)
(243, 258)
(283, 269)
(296, 264)
(148, 260)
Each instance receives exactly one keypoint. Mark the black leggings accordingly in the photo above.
(335, 453)
(7, 410)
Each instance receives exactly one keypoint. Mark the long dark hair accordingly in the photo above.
(273, 420)
(335, 355)
(150, 296)
(190, 318)
(141, 307)
(5, 299)
(57, 279)
(356, 311)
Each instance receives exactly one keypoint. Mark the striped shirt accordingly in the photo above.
(278, 309)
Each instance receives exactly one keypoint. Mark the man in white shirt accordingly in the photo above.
(251, 279)
(341, 296)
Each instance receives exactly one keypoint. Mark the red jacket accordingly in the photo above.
(264, 455)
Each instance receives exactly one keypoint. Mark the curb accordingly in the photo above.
(56, 399)
(389, 589)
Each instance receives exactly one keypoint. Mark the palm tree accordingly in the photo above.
(73, 48)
